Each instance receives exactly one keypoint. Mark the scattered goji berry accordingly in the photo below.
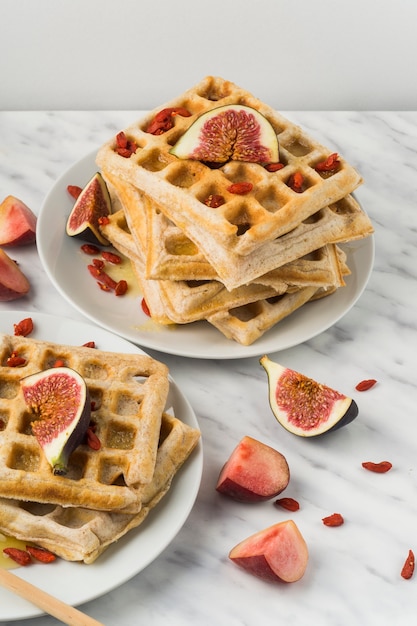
(24, 327)
(41, 554)
(125, 147)
(19, 556)
(89, 344)
(121, 288)
(214, 200)
(331, 164)
(287, 503)
(103, 220)
(145, 307)
(241, 188)
(274, 167)
(14, 360)
(296, 182)
(99, 263)
(90, 248)
(93, 441)
(333, 520)
(163, 121)
(378, 468)
(364, 385)
(408, 567)
(111, 257)
(74, 191)
(59, 363)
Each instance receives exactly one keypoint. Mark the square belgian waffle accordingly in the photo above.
(243, 223)
(129, 393)
(169, 254)
(80, 534)
(187, 301)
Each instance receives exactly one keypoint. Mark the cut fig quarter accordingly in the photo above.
(277, 553)
(93, 203)
(303, 406)
(229, 132)
(254, 472)
(59, 398)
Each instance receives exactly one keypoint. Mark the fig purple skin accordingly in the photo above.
(60, 398)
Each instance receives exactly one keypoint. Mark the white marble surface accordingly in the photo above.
(353, 575)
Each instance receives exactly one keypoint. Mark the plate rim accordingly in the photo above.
(190, 473)
(272, 341)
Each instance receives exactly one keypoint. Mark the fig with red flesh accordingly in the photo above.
(254, 472)
(277, 553)
(60, 398)
(92, 204)
(17, 223)
(302, 405)
(13, 283)
(229, 132)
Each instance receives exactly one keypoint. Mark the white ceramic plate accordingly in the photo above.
(66, 268)
(139, 547)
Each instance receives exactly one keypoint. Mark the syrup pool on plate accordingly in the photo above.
(9, 542)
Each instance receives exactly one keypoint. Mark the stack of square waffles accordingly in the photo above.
(106, 492)
(245, 265)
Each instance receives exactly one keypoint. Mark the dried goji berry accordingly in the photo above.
(93, 441)
(19, 556)
(121, 288)
(74, 190)
(145, 307)
(240, 188)
(287, 503)
(163, 121)
(125, 147)
(24, 327)
(98, 263)
(331, 164)
(89, 344)
(103, 220)
(214, 200)
(41, 554)
(274, 167)
(15, 360)
(378, 468)
(111, 257)
(90, 248)
(364, 385)
(408, 567)
(296, 182)
(59, 363)
(333, 520)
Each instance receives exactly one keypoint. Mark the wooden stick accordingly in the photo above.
(65, 613)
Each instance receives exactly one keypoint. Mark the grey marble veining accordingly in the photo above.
(353, 577)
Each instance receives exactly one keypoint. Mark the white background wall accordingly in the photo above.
(128, 54)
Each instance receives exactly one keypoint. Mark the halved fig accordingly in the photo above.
(277, 553)
(254, 472)
(303, 406)
(229, 132)
(60, 398)
(17, 223)
(93, 203)
(13, 283)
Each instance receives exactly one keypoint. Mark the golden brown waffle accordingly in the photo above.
(169, 254)
(187, 301)
(79, 534)
(244, 222)
(129, 393)
(247, 323)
